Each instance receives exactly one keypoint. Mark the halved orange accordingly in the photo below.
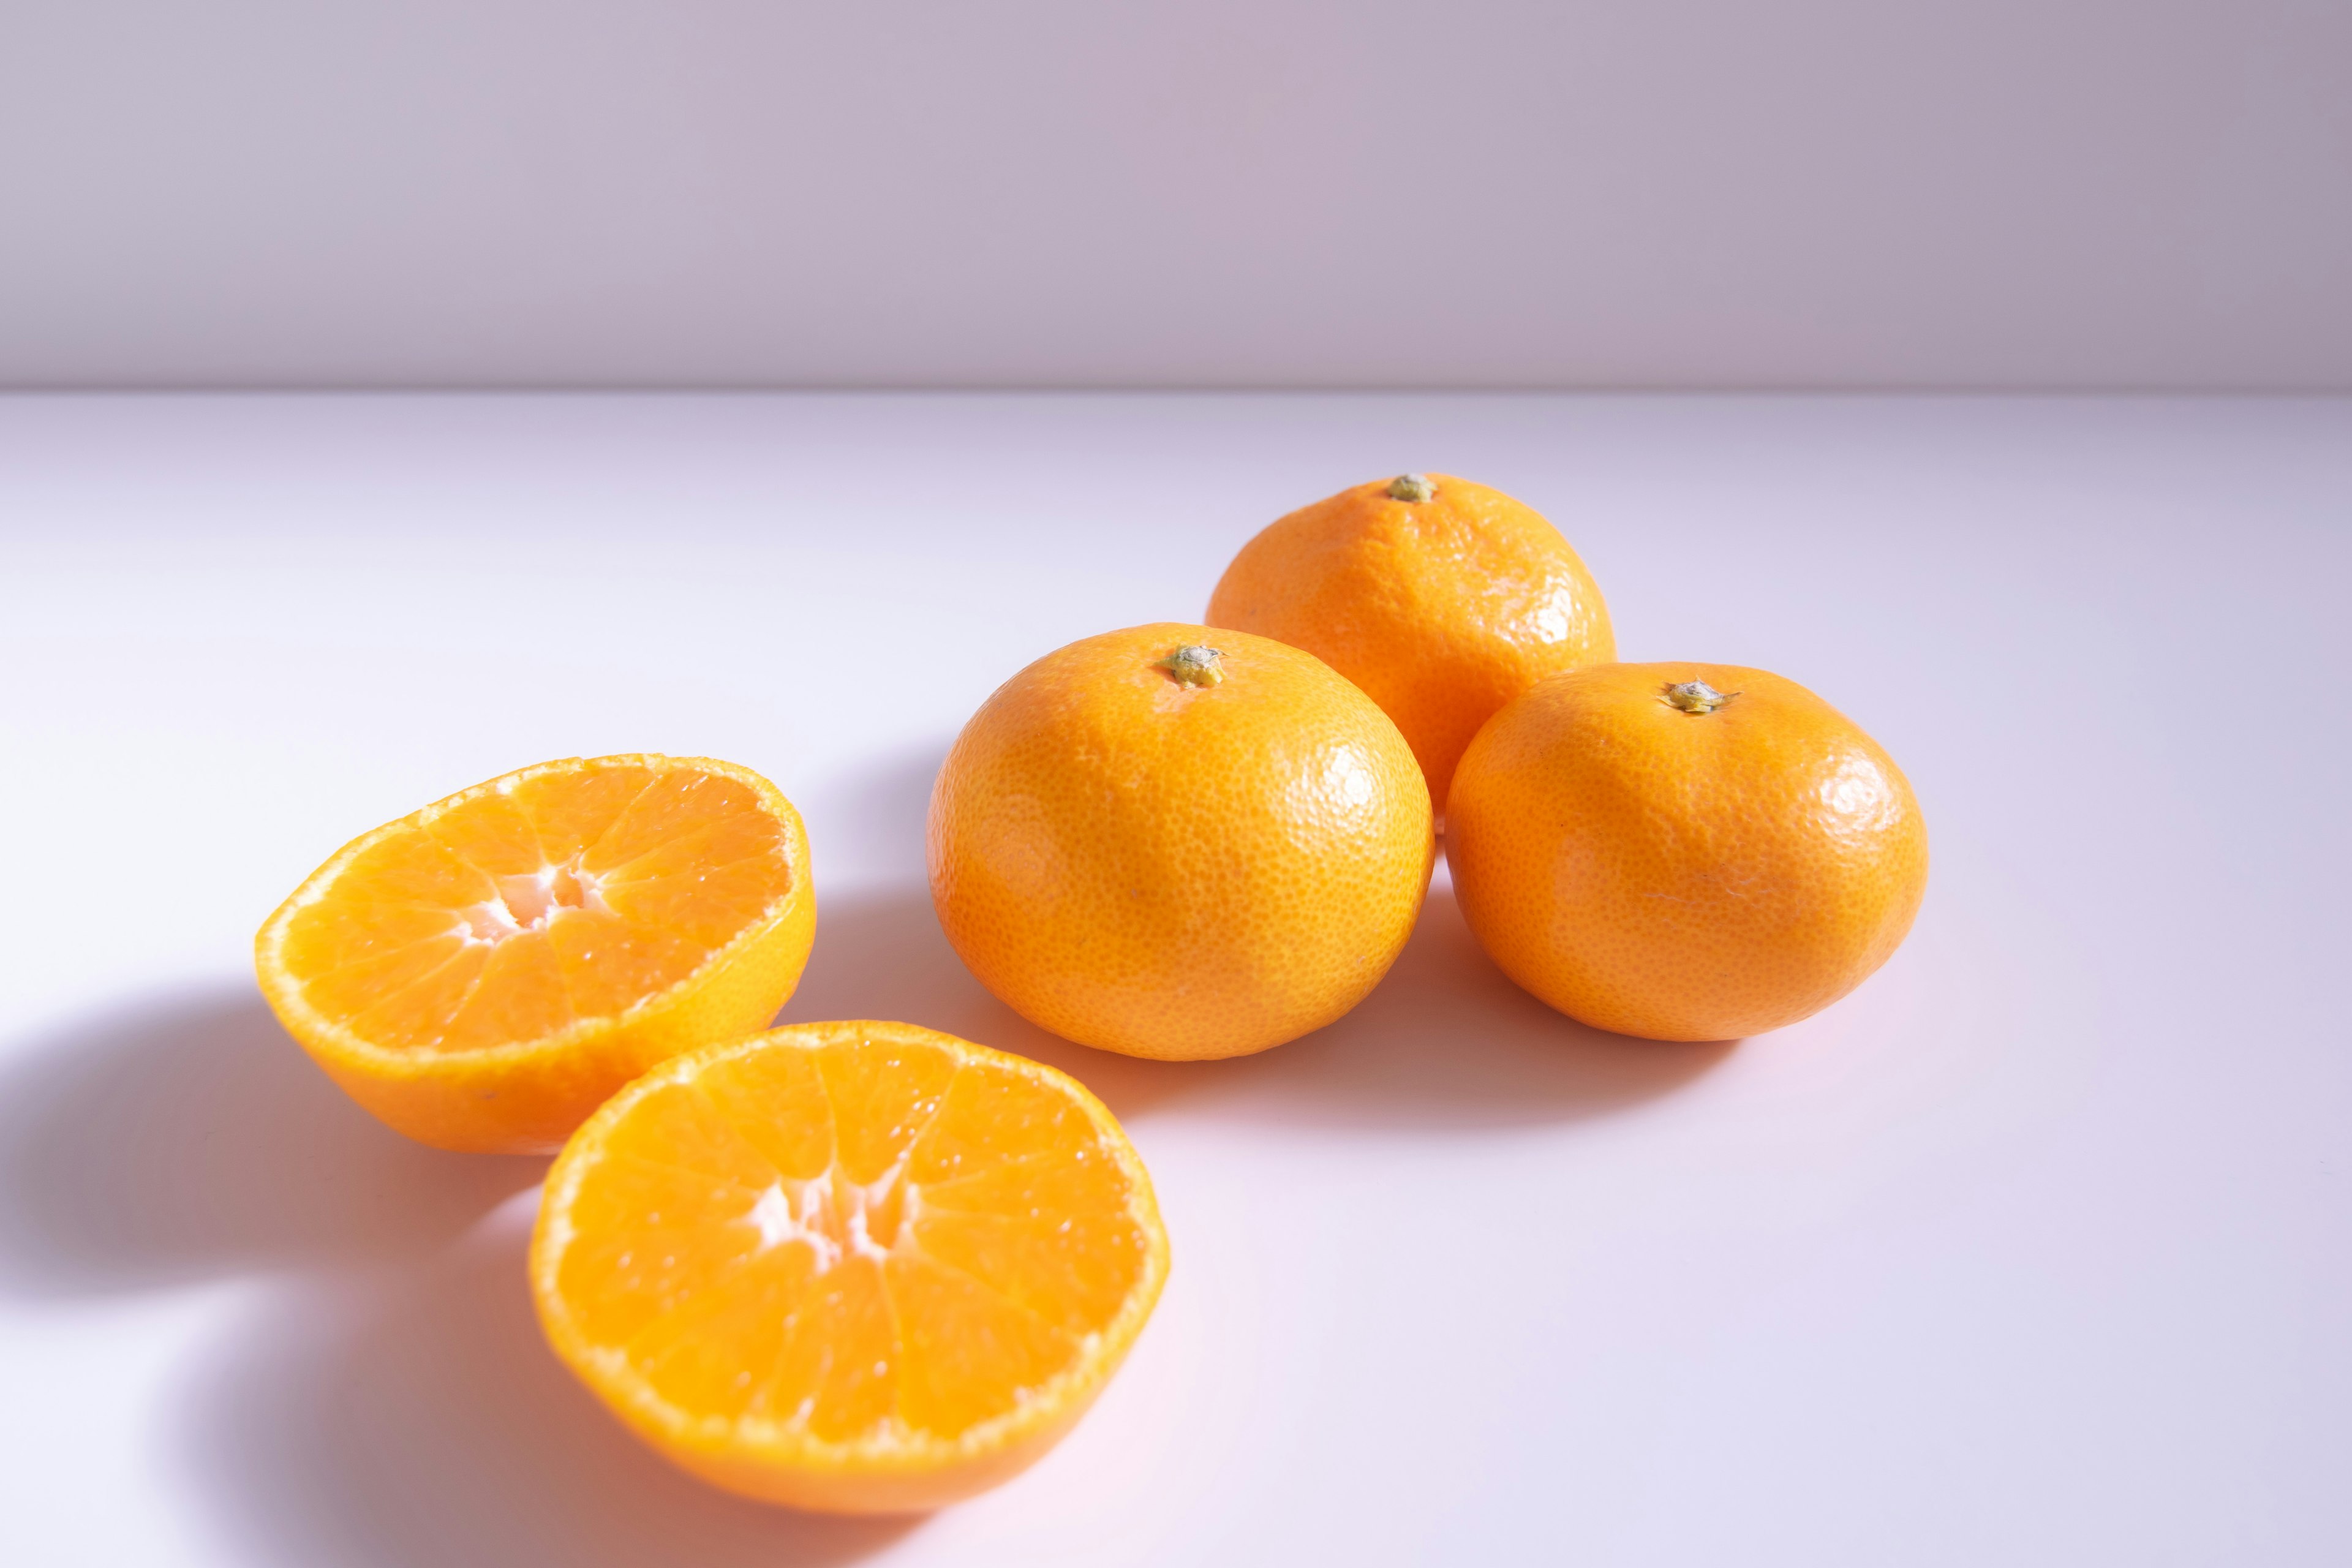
(861, 1268)
(484, 973)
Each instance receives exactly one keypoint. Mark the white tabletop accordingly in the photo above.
(2037, 1249)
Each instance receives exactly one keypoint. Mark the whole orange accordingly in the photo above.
(1180, 843)
(1443, 599)
(1685, 851)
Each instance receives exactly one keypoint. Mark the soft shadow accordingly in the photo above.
(415, 1419)
(1445, 1039)
(882, 955)
(188, 1137)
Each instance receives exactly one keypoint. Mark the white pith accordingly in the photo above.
(530, 900)
(830, 1217)
(781, 1214)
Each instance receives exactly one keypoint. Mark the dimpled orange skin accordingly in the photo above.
(1442, 610)
(1175, 871)
(1677, 875)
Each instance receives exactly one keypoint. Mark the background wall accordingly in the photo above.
(1831, 192)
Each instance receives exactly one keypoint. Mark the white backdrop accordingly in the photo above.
(2045, 192)
(2032, 1253)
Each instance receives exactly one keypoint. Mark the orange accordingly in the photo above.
(1443, 599)
(1685, 851)
(862, 1267)
(1178, 843)
(481, 974)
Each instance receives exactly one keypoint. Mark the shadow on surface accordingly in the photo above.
(1445, 1039)
(415, 1419)
(190, 1138)
(882, 955)
(1448, 1039)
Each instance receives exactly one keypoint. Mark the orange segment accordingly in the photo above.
(710, 1354)
(483, 973)
(962, 1345)
(857, 1267)
(609, 961)
(571, 811)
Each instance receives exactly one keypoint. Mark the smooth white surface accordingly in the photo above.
(1336, 193)
(2033, 1251)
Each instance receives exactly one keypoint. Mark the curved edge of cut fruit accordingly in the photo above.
(910, 1471)
(871, 1490)
(451, 1099)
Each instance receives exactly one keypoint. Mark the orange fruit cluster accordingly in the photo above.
(866, 1266)
(859, 1266)
(1167, 842)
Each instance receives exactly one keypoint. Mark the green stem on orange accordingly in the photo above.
(1412, 486)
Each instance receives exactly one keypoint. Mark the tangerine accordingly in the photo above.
(1440, 598)
(483, 973)
(1180, 842)
(854, 1267)
(1682, 851)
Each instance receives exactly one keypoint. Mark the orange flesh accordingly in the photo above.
(554, 897)
(872, 1238)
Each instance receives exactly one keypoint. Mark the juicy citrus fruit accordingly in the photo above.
(483, 973)
(1443, 599)
(1685, 851)
(1178, 843)
(859, 1267)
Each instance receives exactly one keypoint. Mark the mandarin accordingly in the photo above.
(1178, 843)
(1682, 851)
(483, 973)
(1440, 598)
(857, 1267)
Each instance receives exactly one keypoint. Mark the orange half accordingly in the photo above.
(484, 973)
(856, 1267)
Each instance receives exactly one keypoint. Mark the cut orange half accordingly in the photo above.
(861, 1268)
(483, 973)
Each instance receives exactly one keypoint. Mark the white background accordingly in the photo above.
(2032, 1251)
(1334, 193)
